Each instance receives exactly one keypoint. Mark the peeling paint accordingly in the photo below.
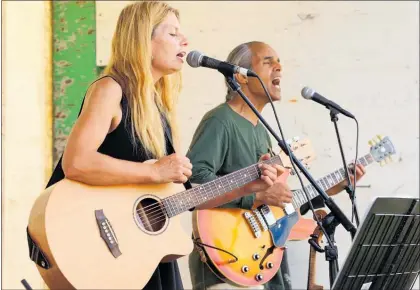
(74, 66)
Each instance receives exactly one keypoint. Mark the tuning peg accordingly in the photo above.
(296, 138)
(389, 159)
(382, 163)
(372, 142)
(380, 137)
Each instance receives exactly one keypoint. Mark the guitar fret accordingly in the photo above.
(312, 191)
(337, 175)
(332, 179)
(299, 197)
(323, 185)
(343, 173)
(308, 190)
(304, 198)
(327, 182)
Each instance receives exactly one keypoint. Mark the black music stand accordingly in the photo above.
(385, 253)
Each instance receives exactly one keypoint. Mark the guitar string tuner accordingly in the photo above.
(296, 138)
(380, 137)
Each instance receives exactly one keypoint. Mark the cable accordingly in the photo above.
(293, 165)
(202, 245)
(353, 197)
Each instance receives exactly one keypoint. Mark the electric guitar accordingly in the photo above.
(245, 247)
(114, 237)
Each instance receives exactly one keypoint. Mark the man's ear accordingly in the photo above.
(241, 79)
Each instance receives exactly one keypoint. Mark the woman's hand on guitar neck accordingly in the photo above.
(172, 168)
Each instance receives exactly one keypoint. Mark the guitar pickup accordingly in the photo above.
(268, 216)
(260, 219)
(288, 208)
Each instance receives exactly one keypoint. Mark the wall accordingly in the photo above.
(26, 130)
(74, 68)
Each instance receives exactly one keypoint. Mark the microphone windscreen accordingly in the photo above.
(307, 93)
(194, 58)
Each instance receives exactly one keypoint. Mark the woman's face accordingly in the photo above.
(168, 47)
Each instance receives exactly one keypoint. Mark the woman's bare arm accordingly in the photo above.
(81, 161)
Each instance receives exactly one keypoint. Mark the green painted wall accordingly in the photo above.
(74, 65)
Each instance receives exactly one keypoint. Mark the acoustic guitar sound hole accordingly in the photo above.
(150, 216)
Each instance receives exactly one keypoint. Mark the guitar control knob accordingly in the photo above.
(259, 277)
(245, 269)
(256, 256)
(270, 265)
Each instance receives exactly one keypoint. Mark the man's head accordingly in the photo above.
(263, 60)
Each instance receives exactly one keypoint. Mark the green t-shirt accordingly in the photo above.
(225, 142)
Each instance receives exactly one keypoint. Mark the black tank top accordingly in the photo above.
(119, 144)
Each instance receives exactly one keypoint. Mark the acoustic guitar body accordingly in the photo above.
(112, 237)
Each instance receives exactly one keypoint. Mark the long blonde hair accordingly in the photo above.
(130, 64)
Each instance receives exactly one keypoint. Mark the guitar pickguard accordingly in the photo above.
(281, 229)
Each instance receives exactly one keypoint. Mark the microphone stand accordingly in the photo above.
(336, 211)
(329, 223)
(349, 187)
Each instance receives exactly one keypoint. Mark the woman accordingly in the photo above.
(126, 113)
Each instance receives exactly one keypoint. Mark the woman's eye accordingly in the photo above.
(172, 34)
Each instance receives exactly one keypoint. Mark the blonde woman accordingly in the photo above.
(126, 113)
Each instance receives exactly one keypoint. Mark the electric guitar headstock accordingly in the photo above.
(381, 149)
(302, 149)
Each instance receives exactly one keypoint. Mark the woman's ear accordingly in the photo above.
(241, 79)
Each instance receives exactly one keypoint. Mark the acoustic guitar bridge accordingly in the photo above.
(107, 233)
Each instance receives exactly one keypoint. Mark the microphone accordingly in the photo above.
(196, 59)
(310, 94)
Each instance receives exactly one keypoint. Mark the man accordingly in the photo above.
(230, 137)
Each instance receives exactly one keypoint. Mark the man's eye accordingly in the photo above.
(173, 34)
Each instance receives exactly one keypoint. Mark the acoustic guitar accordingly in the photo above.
(114, 237)
(245, 247)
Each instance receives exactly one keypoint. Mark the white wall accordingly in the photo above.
(363, 55)
(26, 130)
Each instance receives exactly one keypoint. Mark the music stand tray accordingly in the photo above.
(385, 253)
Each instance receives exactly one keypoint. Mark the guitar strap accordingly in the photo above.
(35, 253)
